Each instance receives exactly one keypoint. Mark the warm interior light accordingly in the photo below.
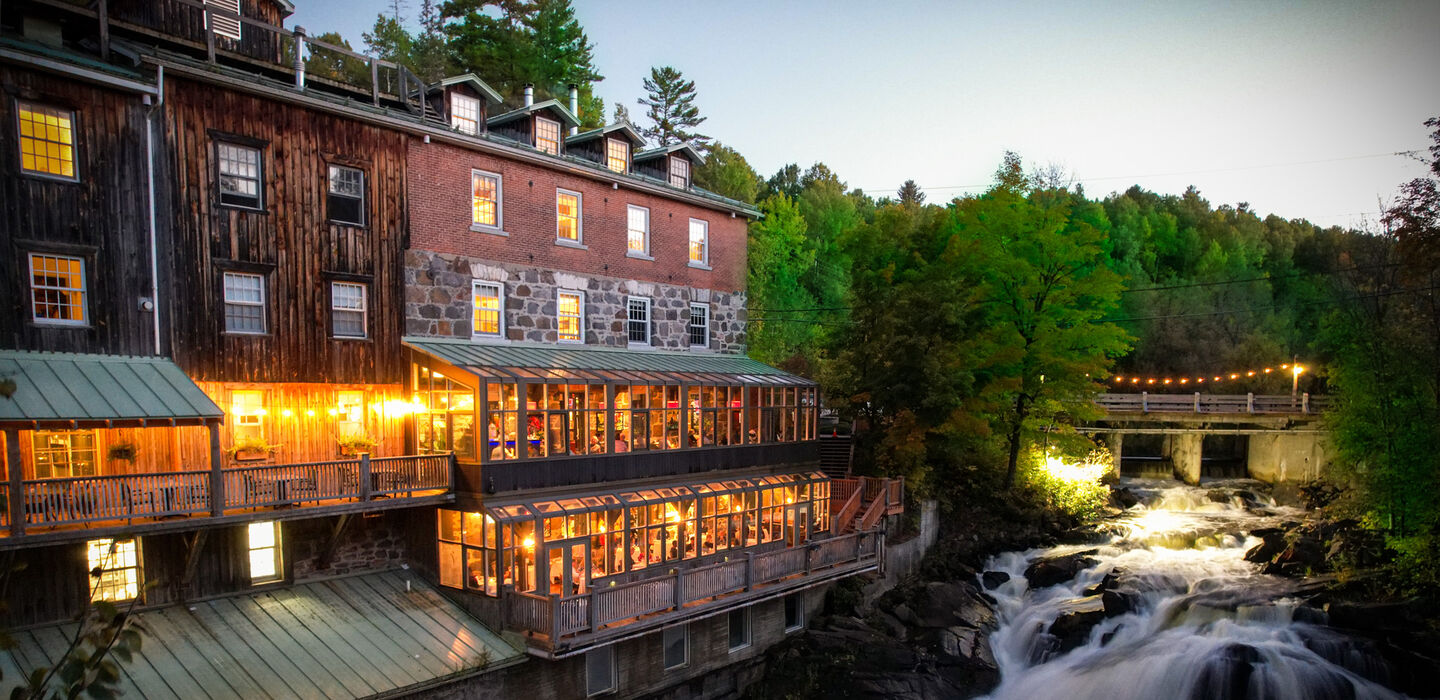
(262, 412)
(310, 412)
(287, 413)
(333, 412)
(529, 542)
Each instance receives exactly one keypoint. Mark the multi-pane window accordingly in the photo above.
(347, 309)
(264, 546)
(61, 454)
(489, 299)
(637, 324)
(226, 26)
(699, 242)
(739, 629)
(617, 155)
(464, 113)
(600, 671)
(547, 135)
(675, 641)
(637, 237)
(349, 413)
(47, 140)
(239, 168)
(117, 563)
(346, 198)
(679, 172)
(570, 316)
(244, 303)
(57, 289)
(699, 325)
(247, 414)
(794, 613)
(567, 215)
(484, 199)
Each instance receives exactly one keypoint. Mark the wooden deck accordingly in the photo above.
(348, 637)
(1197, 403)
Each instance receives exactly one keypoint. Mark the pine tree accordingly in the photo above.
(910, 194)
(622, 114)
(670, 106)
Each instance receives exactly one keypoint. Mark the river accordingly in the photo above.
(1198, 620)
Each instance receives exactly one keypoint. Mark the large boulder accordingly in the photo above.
(994, 579)
(941, 604)
(1072, 628)
(1265, 552)
(1044, 573)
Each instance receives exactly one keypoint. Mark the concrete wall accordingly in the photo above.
(903, 559)
(1287, 457)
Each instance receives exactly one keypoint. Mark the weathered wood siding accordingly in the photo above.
(102, 217)
(291, 242)
(185, 22)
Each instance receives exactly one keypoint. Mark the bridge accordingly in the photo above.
(1284, 442)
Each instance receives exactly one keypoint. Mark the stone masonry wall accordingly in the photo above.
(438, 303)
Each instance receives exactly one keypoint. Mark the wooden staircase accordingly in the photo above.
(836, 452)
(858, 504)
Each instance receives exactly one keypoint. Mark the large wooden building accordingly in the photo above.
(293, 339)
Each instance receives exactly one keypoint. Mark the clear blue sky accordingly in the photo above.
(1286, 105)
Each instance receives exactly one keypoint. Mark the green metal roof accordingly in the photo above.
(94, 389)
(351, 637)
(558, 362)
(553, 106)
(622, 127)
(685, 148)
(473, 81)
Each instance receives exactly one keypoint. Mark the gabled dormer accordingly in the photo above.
(612, 146)
(674, 164)
(538, 124)
(464, 101)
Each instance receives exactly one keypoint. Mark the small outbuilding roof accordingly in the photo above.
(474, 82)
(81, 390)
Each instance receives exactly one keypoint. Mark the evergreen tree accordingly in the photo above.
(726, 173)
(670, 107)
(910, 194)
(622, 114)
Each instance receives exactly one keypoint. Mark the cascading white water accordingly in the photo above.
(1201, 622)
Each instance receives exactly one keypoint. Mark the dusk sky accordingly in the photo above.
(1296, 108)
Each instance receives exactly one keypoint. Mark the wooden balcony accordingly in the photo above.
(558, 626)
(57, 508)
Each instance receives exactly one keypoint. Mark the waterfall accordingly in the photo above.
(1185, 616)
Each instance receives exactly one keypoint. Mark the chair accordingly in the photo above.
(308, 485)
(258, 491)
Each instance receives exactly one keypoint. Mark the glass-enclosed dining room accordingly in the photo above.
(502, 414)
(563, 546)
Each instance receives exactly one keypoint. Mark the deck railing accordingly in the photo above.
(1145, 402)
(130, 497)
(562, 616)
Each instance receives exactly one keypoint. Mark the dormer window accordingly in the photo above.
(679, 172)
(464, 113)
(617, 155)
(547, 135)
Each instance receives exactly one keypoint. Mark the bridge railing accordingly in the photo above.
(1145, 402)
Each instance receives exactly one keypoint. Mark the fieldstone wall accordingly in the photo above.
(438, 303)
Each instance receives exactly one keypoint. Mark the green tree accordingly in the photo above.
(670, 106)
(909, 193)
(325, 63)
(725, 172)
(779, 255)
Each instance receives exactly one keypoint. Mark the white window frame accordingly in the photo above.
(559, 134)
(605, 654)
(330, 192)
(276, 552)
(464, 113)
(690, 323)
(684, 631)
(579, 240)
(63, 141)
(64, 292)
(499, 225)
(580, 320)
(363, 310)
(749, 630)
(630, 211)
(649, 305)
(228, 27)
(42, 454)
(220, 176)
(225, 295)
(610, 157)
(248, 415)
(799, 613)
(683, 175)
(125, 557)
(499, 288)
(704, 261)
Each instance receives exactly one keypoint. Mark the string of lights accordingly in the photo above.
(1294, 370)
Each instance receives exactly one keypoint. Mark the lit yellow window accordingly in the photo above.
(247, 410)
(617, 155)
(487, 309)
(47, 140)
(350, 413)
(547, 135)
(699, 242)
(567, 215)
(568, 316)
(484, 199)
(264, 545)
(114, 569)
(57, 289)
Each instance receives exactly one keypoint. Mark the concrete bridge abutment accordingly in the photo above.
(1184, 451)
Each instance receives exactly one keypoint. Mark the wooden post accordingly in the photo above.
(1144, 402)
(554, 620)
(679, 588)
(809, 558)
(1197, 402)
(375, 89)
(217, 475)
(17, 481)
(684, 422)
(453, 465)
(209, 34)
(749, 571)
(1250, 402)
(1305, 402)
(365, 476)
(102, 12)
(590, 608)
(299, 58)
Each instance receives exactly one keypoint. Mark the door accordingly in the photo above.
(797, 524)
(569, 568)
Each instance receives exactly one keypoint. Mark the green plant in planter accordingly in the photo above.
(251, 446)
(355, 443)
(123, 451)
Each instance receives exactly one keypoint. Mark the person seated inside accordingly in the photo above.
(622, 442)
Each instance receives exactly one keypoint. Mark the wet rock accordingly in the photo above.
(994, 579)
(1304, 552)
(1105, 584)
(1048, 572)
(1266, 551)
(1123, 498)
(946, 604)
(1374, 617)
(1072, 629)
(1119, 602)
